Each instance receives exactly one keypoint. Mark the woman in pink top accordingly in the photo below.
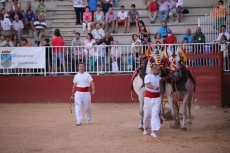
(87, 18)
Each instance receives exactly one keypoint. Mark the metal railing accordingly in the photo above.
(120, 59)
(211, 25)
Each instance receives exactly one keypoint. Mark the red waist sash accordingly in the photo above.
(82, 89)
(152, 94)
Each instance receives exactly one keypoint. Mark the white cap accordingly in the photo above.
(3, 1)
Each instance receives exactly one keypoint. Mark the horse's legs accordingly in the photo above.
(189, 110)
(175, 101)
(185, 102)
(141, 111)
(162, 91)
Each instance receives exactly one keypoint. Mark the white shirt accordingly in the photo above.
(180, 3)
(5, 24)
(101, 50)
(93, 53)
(78, 3)
(98, 34)
(18, 25)
(116, 51)
(134, 43)
(154, 80)
(82, 80)
(221, 34)
(121, 15)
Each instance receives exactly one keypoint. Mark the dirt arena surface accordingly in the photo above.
(50, 128)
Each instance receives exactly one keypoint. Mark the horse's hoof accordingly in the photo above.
(189, 123)
(184, 128)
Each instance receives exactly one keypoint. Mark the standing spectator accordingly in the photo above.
(92, 6)
(131, 62)
(179, 4)
(115, 54)
(98, 33)
(186, 46)
(172, 12)
(79, 9)
(58, 52)
(133, 16)
(87, 18)
(92, 57)
(6, 26)
(5, 6)
(14, 5)
(163, 29)
(116, 3)
(99, 17)
(223, 32)
(110, 19)
(198, 36)
(224, 48)
(153, 9)
(143, 30)
(106, 5)
(41, 9)
(29, 6)
(145, 3)
(14, 40)
(219, 14)
(163, 10)
(7, 42)
(18, 27)
(88, 43)
(16, 12)
(39, 29)
(135, 47)
(188, 35)
(170, 39)
(29, 20)
(101, 56)
(78, 54)
(121, 19)
(48, 55)
(108, 41)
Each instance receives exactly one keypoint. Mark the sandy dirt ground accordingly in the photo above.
(49, 128)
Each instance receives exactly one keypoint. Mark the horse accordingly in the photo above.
(180, 86)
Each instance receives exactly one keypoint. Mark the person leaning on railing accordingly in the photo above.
(224, 48)
(198, 37)
(115, 55)
(219, 14)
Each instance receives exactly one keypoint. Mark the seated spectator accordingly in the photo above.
(198, 36)
(110, 19)
(179, 4)
(170, 39)
(77, 52)
(223, 32)
(121, 19)
(145, 43)
(29, 20)
(3, 11)
(39, 29)
(5, 6)
(88, 43)
(14, 5)
(106, 5)
(41, 9)
(163, 10)
(172, 12)
(87, 19)
(143, 30)
(132, 17)
(25, 43)
(6, 26)
(163, 29)
(153, 9)
(2, 38)
(99, 17)
(136, 46)
(18, 27)
(188, 35)
(29, 6)
(7, 42)
(219, 14)
(98, 33)
(14, 40)
(101, 56)
(16, 12)
(115, 55)
(58, 52)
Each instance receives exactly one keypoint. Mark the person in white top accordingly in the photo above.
(121, 18)
(223, 32)
(81, 83)
(6, 26)
(4, 5)
(79, 9)
(101, 56)
(179, 5)
(18, 27)
(93, 54)
(98, 33)
(115, 54)
(152, 101)
(172, 12)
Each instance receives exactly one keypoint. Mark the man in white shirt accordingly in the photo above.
(81, 83)
(98, 33)
(6, 26)
(223, 32)
(115, 54)
(121, 19)
(79, 9)
(18, 27)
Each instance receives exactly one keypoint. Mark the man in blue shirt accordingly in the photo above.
(92, 5)
(188, 35)
(163, 30)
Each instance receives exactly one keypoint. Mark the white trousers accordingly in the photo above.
(151, 113)
(85, 99)
(88, 25)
